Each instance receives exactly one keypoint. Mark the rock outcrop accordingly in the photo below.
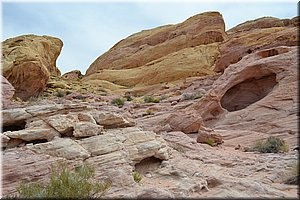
(165, 142)
(188, 62)
(256, 35)
(28, 61)
(72, 75)
(163, 54)
(7, 92)
(259, 93)
(49, 135)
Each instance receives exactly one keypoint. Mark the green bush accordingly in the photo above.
(151, 99)
(137, 177)
(271, 145)
(119, 102)
(192, 96)
(60, 93)
(210, 142)
(66, 184)
(293, 175)
(149, 112)
(68, 92)
(128, 97)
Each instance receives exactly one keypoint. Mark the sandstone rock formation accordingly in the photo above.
(141, 48)
(28, 62)
(259, 93)
(7, 92)
(126, 146)
(259, 34)
(163, 54)
(72, 75)
(252, 98)
(188, 62)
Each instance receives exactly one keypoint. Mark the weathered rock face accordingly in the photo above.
(49, 134)
(141, 48)
(253, 99)
(255, 35)
(188, 62)
(163, 54)
(7, 92)
(264, 22)
(28, 62)
(209, 137)
(72, 75)
(259, 93)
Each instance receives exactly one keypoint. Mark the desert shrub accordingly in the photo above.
(192, 96)
(151, 99)
(119, 102)
(210, 142)
(68, 92)
(66, 184)
(149, 112)
(128, 98)
(293, 175)
(60, 93)
(137, 177)
(271, 145)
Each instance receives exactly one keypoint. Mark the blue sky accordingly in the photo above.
(90, 29)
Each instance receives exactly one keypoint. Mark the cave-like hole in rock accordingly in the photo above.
(17, 126)
(37, 141)
(148, 165)
(272, 52)
(268, 53)
(68, 133)
(248, 92)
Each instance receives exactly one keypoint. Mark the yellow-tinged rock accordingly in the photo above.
(28, 61)
(188, 62)
(141, 48)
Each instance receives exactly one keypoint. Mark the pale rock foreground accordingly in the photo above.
(83, 139)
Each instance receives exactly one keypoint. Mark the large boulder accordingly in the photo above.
(28, 61)
(184, 63)
(163, 54)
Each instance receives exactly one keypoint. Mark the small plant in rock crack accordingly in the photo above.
(60, 93)
(192, 96)
(137, 177)
(65, 183)
(293, 175)
(210, 142)
(119, 102)
(149, 112)
(151, 99)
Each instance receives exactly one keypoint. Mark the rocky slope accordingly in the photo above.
(253, 96)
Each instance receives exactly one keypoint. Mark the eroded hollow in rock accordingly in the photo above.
(148, 165)
(272, 52)
(17, 126)
(248, 92)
